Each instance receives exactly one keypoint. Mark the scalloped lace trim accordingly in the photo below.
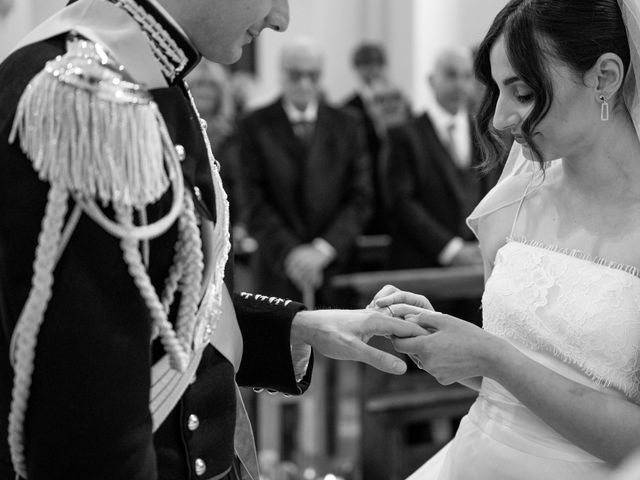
(573, 252)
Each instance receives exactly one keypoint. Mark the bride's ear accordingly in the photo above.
(606, 75)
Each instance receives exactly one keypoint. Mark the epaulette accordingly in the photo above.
(90, 128)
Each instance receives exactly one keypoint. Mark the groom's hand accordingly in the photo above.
(343, 335)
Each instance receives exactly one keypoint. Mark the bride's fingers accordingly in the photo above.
(403, 297)
(403, 309)
(383, 292)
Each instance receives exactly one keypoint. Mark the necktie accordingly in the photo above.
(303, 130)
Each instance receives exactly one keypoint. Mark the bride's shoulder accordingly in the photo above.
(499, 206)
(493, 218)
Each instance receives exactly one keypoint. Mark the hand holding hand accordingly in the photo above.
(454, 351)
(343, 335)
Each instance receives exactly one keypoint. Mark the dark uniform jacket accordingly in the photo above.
(297, 192)
(88, 414)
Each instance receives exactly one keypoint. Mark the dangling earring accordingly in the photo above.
(604, 110)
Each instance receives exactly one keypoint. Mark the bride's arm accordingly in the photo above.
(604, 425)
(607, 426)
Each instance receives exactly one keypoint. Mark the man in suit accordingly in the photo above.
(433, 180)
(307, 181)
(369, 62)
(113, 251)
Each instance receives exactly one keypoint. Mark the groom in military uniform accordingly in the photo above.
(121, 344)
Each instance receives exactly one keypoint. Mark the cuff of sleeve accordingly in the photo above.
(324, 247)
(450, 251)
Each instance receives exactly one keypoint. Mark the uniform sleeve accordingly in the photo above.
(265, 323)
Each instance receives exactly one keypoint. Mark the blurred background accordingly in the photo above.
(354, 423)
(413, 31)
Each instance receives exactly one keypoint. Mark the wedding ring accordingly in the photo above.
(390, 311)
(417, 361)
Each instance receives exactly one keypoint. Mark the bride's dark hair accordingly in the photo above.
(575, 32)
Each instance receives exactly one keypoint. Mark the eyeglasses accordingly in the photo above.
(296, 75)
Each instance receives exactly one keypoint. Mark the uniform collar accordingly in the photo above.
(168, 41)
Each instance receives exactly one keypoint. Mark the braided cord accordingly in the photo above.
(132, 256)
(191, 282)
(25, 336)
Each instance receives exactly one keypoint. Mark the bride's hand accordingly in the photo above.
(454, 351)
(390, 296)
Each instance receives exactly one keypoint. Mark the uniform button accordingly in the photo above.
(271, 392)
(182, 154)
(201, 467)
(193, 422)
(258, 389)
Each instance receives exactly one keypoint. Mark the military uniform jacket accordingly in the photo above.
(88, 412)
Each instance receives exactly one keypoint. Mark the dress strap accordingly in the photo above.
(515, 219)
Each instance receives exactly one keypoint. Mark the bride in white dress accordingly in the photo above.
(557, 363)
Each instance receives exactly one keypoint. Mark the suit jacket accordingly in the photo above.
(356, 104)
(374, 144)
(430, 197)
(88, 414)
(297, 192)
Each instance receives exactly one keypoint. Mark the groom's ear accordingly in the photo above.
(607, 75)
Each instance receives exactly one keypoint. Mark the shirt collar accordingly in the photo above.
(442, 118)
(169, 42)
(309, 115)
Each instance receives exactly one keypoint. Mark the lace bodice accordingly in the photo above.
(584, 312)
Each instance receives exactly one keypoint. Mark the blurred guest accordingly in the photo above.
(242, 86)
(432, 179)
(369, 63)
(307, 181)
(433, 182)
(388, 109)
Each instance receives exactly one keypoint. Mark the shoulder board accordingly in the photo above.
(87, 126)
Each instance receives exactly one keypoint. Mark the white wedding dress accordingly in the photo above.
(579, 317)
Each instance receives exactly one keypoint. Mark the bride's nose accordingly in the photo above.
(505, 116)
